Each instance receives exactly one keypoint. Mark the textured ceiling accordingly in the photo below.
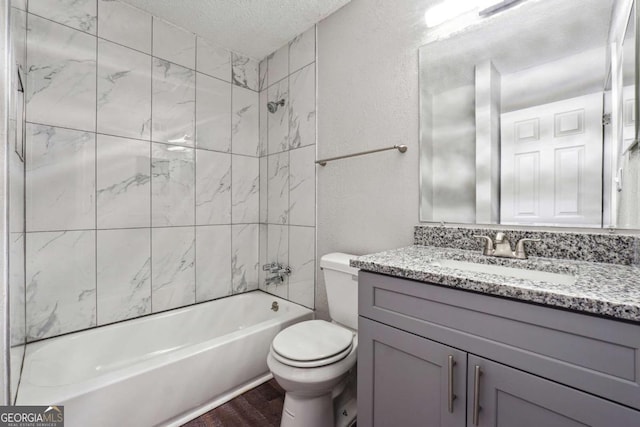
(251, 27)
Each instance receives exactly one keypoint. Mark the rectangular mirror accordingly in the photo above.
(528, 115)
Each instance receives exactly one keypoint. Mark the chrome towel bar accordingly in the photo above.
(400, 148)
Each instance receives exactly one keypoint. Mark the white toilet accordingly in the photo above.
(314, 361)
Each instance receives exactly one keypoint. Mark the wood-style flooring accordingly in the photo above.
(259, 407)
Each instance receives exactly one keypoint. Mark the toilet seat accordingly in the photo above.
(312, 344)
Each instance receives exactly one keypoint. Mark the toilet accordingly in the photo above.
(314, 361)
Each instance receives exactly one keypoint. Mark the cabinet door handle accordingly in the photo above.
(450, 393)
(476, 395)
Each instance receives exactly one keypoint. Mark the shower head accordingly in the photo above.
(273, 106)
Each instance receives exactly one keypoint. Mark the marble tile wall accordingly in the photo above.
(287, 169)
(142, 167)
(16, 166)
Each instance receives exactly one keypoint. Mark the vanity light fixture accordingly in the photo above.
(448, 10)
(497, 7)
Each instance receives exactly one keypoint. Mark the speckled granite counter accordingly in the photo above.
(604, 289)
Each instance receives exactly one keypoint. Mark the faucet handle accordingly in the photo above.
(488, 244)
(520, 252)
(499, 237)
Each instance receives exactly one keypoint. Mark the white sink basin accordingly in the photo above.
(519, 273)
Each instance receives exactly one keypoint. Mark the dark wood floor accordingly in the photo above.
(260, 407)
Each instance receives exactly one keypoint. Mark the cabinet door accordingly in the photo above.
(508, 397)
(405, 380)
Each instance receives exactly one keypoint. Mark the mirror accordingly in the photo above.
(528, 115)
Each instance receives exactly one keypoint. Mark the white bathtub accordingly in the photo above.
(163, 369)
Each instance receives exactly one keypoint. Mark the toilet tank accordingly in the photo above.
(341, 282)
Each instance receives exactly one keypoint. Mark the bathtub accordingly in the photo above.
(163, 369)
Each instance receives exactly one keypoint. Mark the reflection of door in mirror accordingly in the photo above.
(485, 83)
(552, 163)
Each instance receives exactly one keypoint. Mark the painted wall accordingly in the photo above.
(142, 183)
(287, 168)
(368, 97)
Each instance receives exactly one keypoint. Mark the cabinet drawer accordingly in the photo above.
(593, 354)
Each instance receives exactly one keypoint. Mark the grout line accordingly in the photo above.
(195, 175)
(151, 184)
(231, 138)
(95, 171)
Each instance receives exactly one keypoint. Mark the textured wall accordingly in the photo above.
(287, 169)
(142, 184)
(368, 98)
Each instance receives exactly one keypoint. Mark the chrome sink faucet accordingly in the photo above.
(501, 247)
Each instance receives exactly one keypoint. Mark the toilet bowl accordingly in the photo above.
(314, 361)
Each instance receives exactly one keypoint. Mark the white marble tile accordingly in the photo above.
(60, 179)
(16, 185)
(245, 136)
(263, 68)
(124, 24)
(302, 186)
(124, 274)
(262, 255)
(19, 4)
(213, 114)
(79, 14)
(278, 189)
(61, 83)
(172, 185)
(278, 65)
(302, 50)
(19, 34)
(213, 262)
(263, 132)
(278, 122)
(278, 244)
(264, 181)
(123, 182)
(173, 267)
(213, 188)
(61, 277)
(302, 96)
(174, 44)
(278, 251)
(124, 91)
(174, 101)
(212, 60)
(245, 189)
(16, 355)
(17, 288)
(302, 261)
(244, 71)
(244, 257)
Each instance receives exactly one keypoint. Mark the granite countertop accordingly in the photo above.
(604, 289)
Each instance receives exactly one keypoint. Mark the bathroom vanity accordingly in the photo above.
(444, 346)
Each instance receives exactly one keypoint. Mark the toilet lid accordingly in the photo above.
(313, 340)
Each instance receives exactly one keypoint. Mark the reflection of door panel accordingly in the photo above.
(628, 117)
(551, 163)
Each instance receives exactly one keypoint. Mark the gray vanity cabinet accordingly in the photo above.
(512, 398)
(516, 364)
(408, 379)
